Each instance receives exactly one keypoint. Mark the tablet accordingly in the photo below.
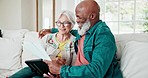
(38, 66)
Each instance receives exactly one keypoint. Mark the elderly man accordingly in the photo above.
(95, 47)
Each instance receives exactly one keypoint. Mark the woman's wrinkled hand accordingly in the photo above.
(43, 32)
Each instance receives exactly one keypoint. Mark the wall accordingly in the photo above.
(10, 14)
(28, 12)
(17, 14)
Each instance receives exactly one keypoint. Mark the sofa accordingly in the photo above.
(132, 52)
(12, 52)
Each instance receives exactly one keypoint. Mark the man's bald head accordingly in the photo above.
(89, 7)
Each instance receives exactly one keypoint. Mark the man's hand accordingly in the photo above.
(43, 32)
(55, 65)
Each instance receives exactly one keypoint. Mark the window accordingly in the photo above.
(122, 16)
(125, 16)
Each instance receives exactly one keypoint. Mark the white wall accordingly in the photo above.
(17, 14)
(28, 14)
(10, 14)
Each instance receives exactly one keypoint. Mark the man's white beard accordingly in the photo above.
(84, 27)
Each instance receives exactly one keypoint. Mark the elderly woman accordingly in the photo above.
(60, 44)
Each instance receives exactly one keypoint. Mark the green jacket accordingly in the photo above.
(100, 51)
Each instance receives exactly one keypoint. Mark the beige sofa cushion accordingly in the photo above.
(122, 39)
(10, 52)
(11, 48)
(14, 33)
(134, 60)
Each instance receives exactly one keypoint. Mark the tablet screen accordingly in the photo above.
(38, 66)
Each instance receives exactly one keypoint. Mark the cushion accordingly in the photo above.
(122, 39)
(134, 60)
(14, 33)
(10, 52)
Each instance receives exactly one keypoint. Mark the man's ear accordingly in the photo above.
(93, 16)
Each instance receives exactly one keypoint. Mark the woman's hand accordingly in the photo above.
(43, 32)
(60, 61)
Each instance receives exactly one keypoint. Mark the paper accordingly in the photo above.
(37, 50)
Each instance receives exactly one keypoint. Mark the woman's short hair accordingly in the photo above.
(70, 16)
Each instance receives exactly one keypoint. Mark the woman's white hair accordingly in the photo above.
(70, 16)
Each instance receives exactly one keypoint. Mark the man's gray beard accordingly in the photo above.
(84, 28)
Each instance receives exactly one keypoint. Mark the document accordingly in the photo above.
(36, 49)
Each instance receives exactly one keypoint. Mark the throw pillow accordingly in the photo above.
(134, 60)
(14, 33)
(10, 53)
